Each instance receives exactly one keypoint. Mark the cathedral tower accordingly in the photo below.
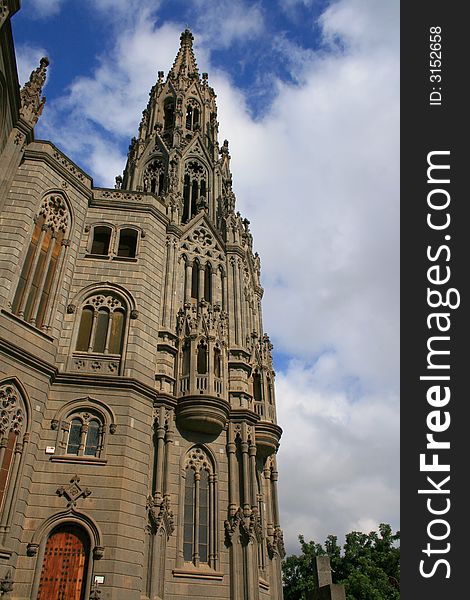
(139, 428)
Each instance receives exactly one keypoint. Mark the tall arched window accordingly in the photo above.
(42, 263)
(194, 189)
(192, 115)
(102, 325)
(208, 283)
(169, 113)
(257, 392)
(202, 359)
(195, 280)
(13, 438)
(199, 543)
(65, 564)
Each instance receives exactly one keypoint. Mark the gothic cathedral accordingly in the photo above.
(138, 431)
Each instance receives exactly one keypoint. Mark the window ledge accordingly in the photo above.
(125, 258)
(32, 328)
(198, 573)
(98, 256)
(72, 458)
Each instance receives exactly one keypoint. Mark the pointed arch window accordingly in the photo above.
(13, 441)
(43, 261)
(195, 280)
(199, 535)
(169, 113)
(193, 112)
(208, 283)
(194, 189)
(154, 177)
(102, 325)
(201, 359)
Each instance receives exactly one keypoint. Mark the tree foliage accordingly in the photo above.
(368, 566)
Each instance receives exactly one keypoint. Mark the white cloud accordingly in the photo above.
(46, 8)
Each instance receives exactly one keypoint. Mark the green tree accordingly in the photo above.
(368, 566)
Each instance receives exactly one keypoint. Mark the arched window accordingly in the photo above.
(199, 509)
(42, 262)
(217, 363)
(186, 359)
(65, 564)
(127, 243)
(84, 432)
(102, 325)
(169, 113)
(195, 280)
(13, 426)
(202, 359)
(154, 177)
(194, 189)
(257, 392)
(208, 283)
(192, 115)
(101, 240)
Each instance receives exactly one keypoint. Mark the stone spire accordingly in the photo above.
(30, 94)
(185, 65)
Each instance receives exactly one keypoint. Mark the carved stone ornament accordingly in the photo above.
(276, 544)
(30, 94)
(71, 308)
(98, 552)
(160, 514)
(73, 492)
(134, 314)
(32, 549)
(11, 412)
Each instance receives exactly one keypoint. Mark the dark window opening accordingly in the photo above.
(169, 112)
(195, 281)
(208, 283)
(101, 240)
(257, 392)
(202, 359)
(127, 243)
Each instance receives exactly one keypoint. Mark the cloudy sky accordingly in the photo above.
(307, 93)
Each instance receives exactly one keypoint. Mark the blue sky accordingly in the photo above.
(308, 96)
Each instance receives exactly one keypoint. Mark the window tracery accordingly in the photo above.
(194, 189)
(154, 177)
(43, 259)
(102, 325)
(13, 438)
(199, 509)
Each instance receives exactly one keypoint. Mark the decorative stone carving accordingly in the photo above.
(160, 514)
(30, 95)
(11, 411)
(55, 213)
(73, 492)
(32, 549)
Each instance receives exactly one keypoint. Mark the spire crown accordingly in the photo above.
(185, 62)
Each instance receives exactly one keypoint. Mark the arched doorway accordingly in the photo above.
(64, 568)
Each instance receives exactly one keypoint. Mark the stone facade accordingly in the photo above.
(138, 431)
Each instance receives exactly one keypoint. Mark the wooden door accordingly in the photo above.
(63, 575)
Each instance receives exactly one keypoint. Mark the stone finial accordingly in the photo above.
(30, 95)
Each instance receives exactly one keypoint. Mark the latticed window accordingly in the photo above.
(42, 262)
(85, 434)
(194, 189)
(12, 443)
(199, 509)
(154, 177)
(102, 325)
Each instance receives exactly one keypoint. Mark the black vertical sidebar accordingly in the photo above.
(435, 269)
